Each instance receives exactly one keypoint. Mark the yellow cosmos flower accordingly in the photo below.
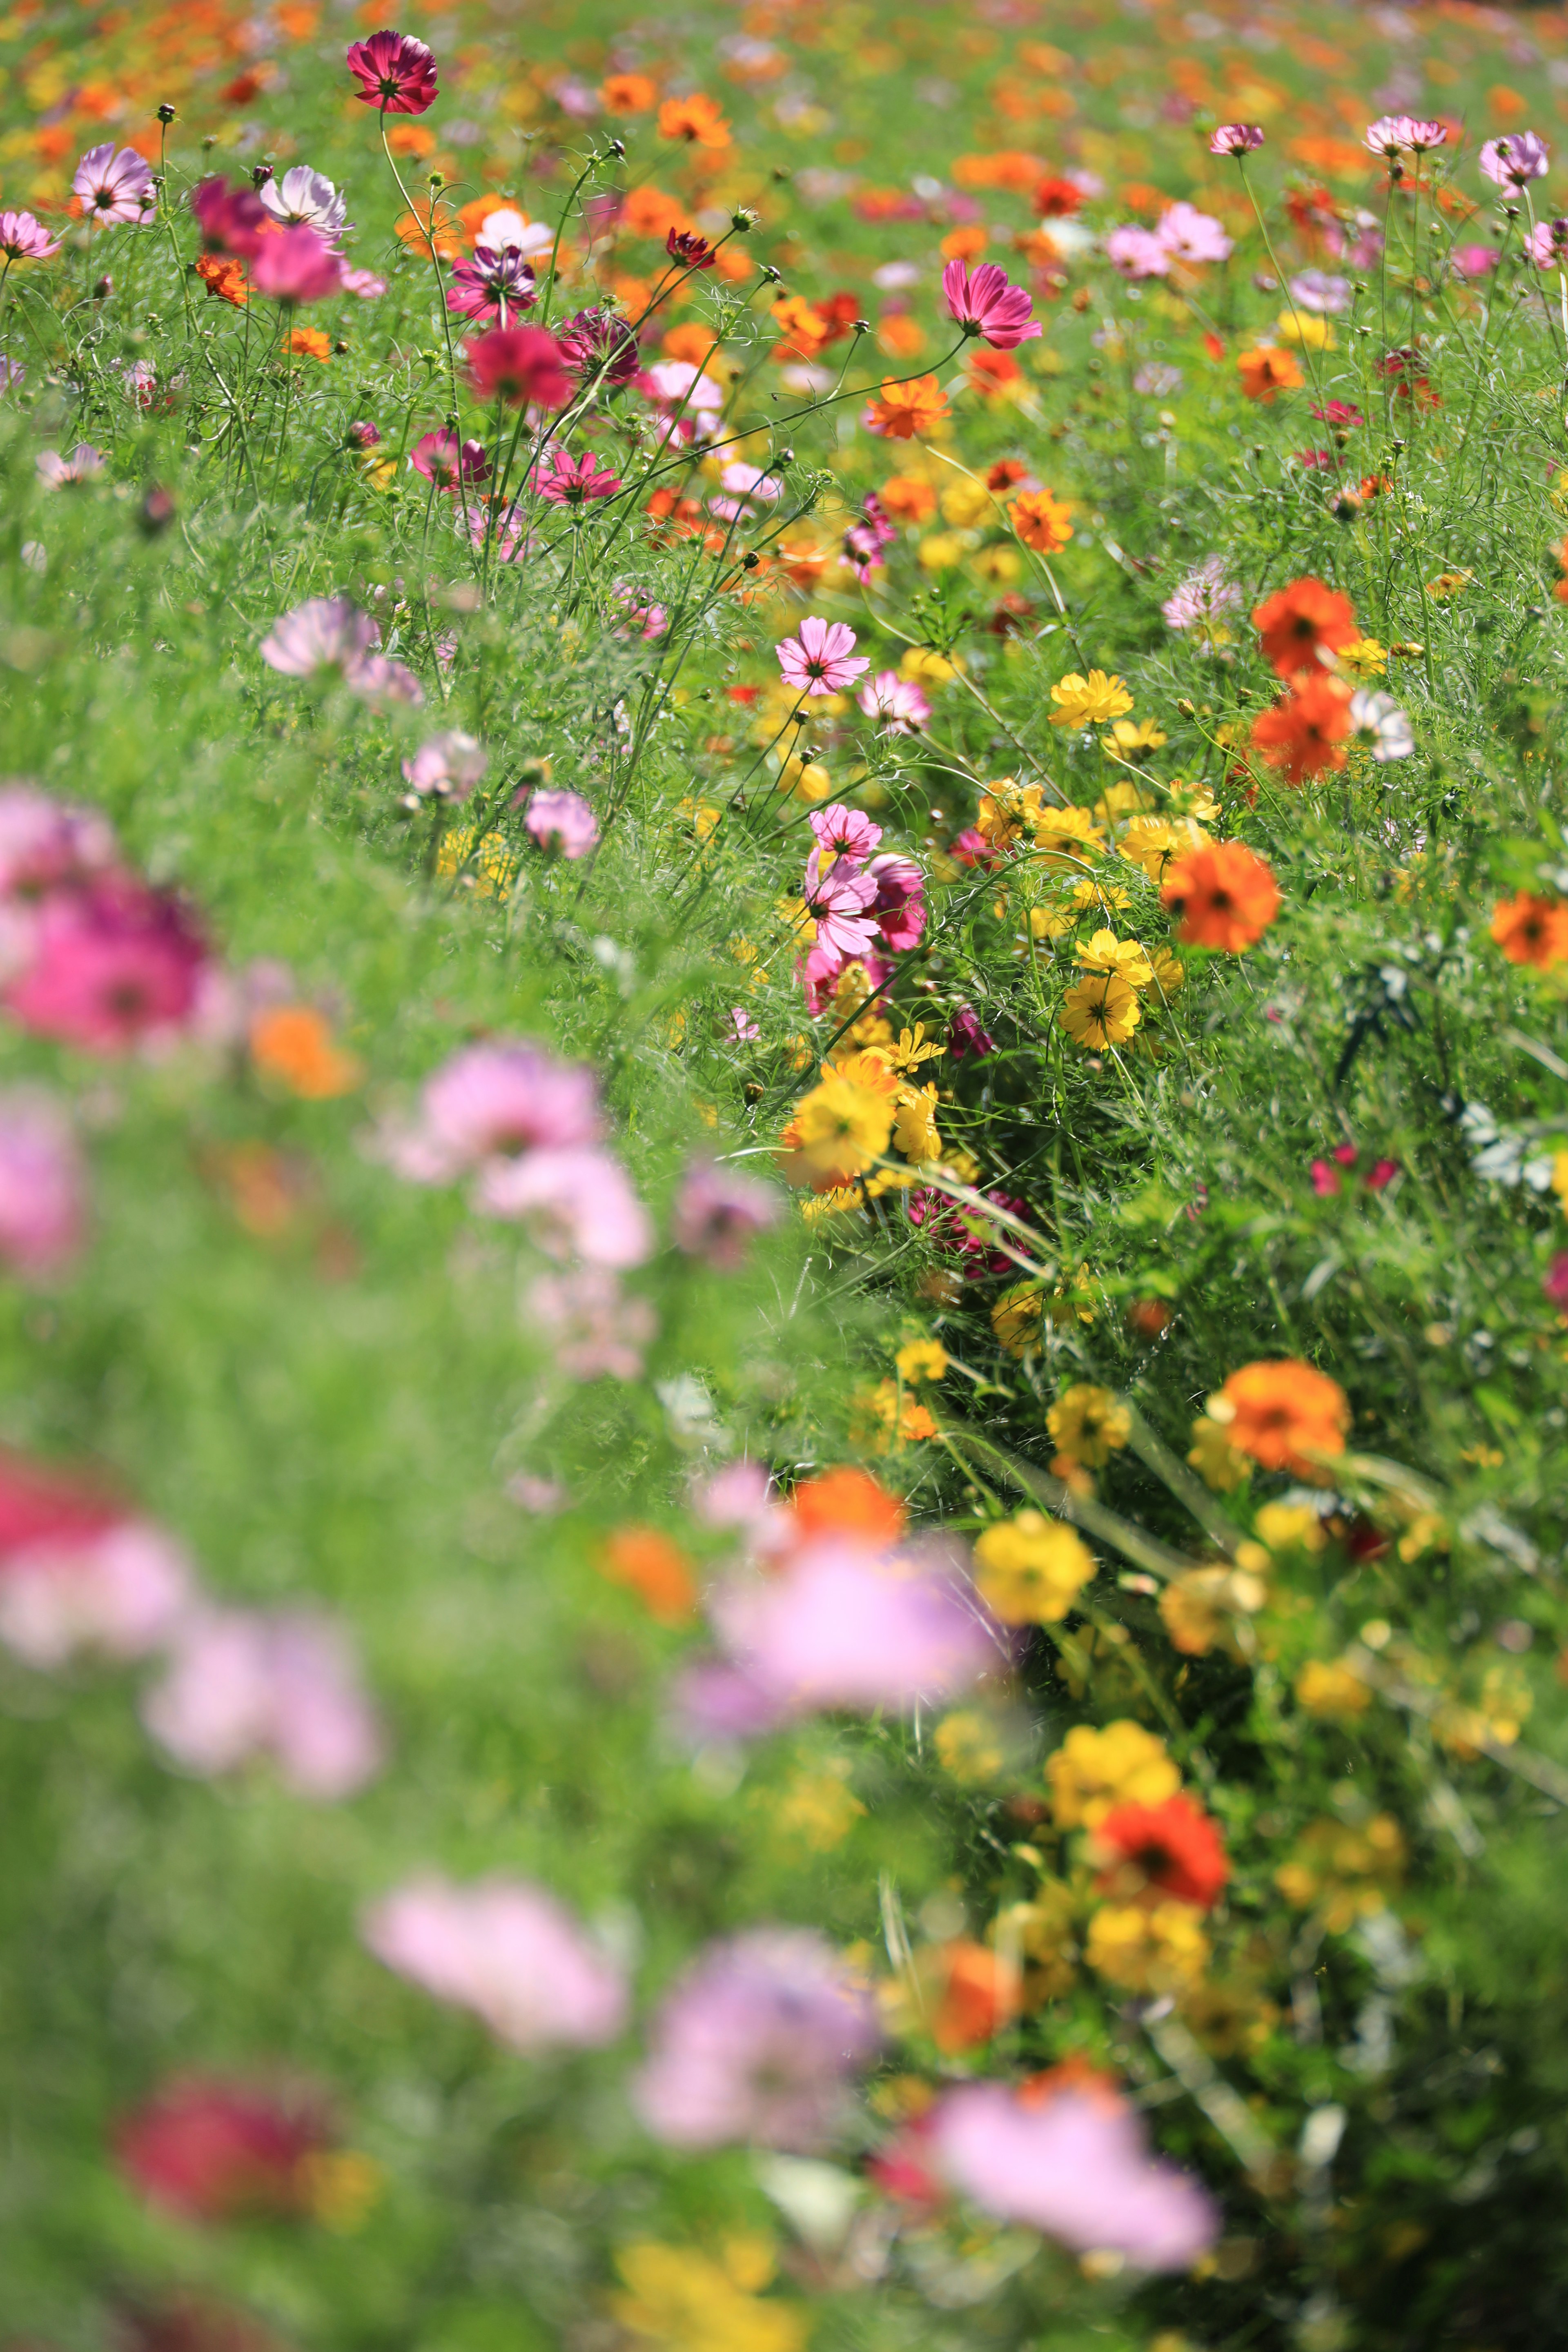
(1306, 330)
(915, 1128)
(1093, 1771)
(839, 1129)
(1105, 952)
(921, 1360)
(1090, 1423)
(1030, 1569)
(680, 2300)
(1089, 701)
(1131, 736)
(1101, 1011)
(1366, 658)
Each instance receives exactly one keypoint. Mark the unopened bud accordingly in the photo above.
(102, 287)
(618, 150)
(259, 174)
(166, 114)
(1188, 709)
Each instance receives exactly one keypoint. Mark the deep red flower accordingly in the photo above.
(1174, 1845)
(40, 1505)
(518, 365)
(210, 2149)
(1055, 197)
(692, 250)
(394, 71)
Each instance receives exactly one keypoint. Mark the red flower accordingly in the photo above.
(207, 2151)
(43, 1506)
(1174, 1845)
(518, 365)
(1300, 622)
(394, 71)
(1054, 197)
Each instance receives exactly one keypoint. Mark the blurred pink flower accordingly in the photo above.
(1395, 134)
(115, 190)
(325, 633)
(57, 473)
(1236, 139)
(1326, 1180)
(231, 220)
(1138, 252)
(1514, 162)
(506, 1950)
(599, 1331)
(120, 1590)
(647, 620)
(24, 239)
(1075, 2165)
(379, 681)
(966, 1038)
(742, 1029)
(562, 821)
(896, 701)
(575, 1203)
(741, 1495)
(1190, 236)
(983, 303)
(899, 908)
(43, 1185)
(519, 365)
(717, 1214)
(242, 1683)
(755, 2040)
(111, 966)
(445, 461)
(446, 767)
(296, 266)
(364, 283)
(46, 843)
(1554, 1282)
(210, 2149)
(395, 72)
(820, 659)
(492, 1101)
(571, 481)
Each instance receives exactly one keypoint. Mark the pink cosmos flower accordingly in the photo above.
(46, 844)
(563, 822)
(1190, 236)
(689, 400)
(575, 1203)
(210, 2151)
(896, 701)
(1476, 260)
(600, 344)
(1546, 245)
(231, 220)
(442, 459)
(1202, 596)
(43, 1185)
(507, 1950)
(755, 2040)
(116, 189)
(599, 1331)
(966, 1039)
(117, 1589)
(296, 266)
(850, 833)
(364, 283)
(1395, 134)
(23, 238)
(1514, 162)
(570, 481)
(1381, 1174)
(490, 1102)
(898, 909)
(1138, 253)
(837, 895)
(1236, 139)
(738, 1496)
(1076, 2166)
(1554, 1282)
(716, 1212)
(446, 767)
(752, 482)
(742, 1029)
(646, 621)
(56, 473)
(984, 303)
(382, 682)
(490, 283)
(1326, 1180)
(1313, 289)
(12, 373)
(307, 199)
(242, 1685)
(505, 230)
(519, 365)
(821, 659)
(395, 72)
(109, 967)
(324, 633)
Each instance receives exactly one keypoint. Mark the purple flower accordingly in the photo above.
(1190, 236)
(507, 1950)
(13, 373)
(1157, 381)
(493, 282)
(23, 238)
(43, 1206)
(716, 1212)
(1236, 139)
(1077, 2166)
(984, 304)
(965, 1037)
(307, 199)
(571, 481)
(1547, 244)
(563, 822)
(446, 767)
(896, 701)
(326, 634)
(1512, 162)
(443, 460)
(242, 1683)
(1314, 291)
(1206, 592)
(84, 465)
(599, 1332)
(116, 190)
(756, 2041)
(602, 344)
(379, 681)
(820, 659)
(575, 1203)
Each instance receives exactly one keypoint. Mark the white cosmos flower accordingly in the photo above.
(303, 196)
(1380, 716)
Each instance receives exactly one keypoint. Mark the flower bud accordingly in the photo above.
(743, 220)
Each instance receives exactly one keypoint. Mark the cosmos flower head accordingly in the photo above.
(296, 266)
(602, 344)
(1203, 596)
(1393, 135)
(57, 473)
(718, 1211)
(306, 199)
(446, 766)
(568, 481)
(506, 1950)
(494, 279)
(820, 659)
(395, 72)
(896, 702)
(519, 365)
(561, 822)
(984, 303)
(1225, 894)
(25, 238)
(445, 462)
(242, 1685)
(1236, 139)
(1514, 162)
(114, 187)
(232, 220)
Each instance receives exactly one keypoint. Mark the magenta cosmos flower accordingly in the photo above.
(395, 72)
(519, 365)
(600, 344)
(445, 461)
(569, 481)
(563, 822)
(1546, 245)
(820, 659)
(573, 1204)
(838, 898)
(756, 2042)
(211, 2150)
(242, 1685)
(109, 967)
(296, 266)
(43, 1191)
(717, 1214)
(492, 285)
(896, 701)
(231, 220)
(116, 189)
(507, 1950)
(1236, 139)
(1512, 162)
(23, 238)
(1076, 2166)
(848, 832)
(984, 304)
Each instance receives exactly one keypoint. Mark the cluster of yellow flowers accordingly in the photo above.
(866, 1103)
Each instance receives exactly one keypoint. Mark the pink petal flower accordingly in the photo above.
(395, 72)
(506, 1950)
(43, 1185)
(717, 1214)
(984, 304)
(574, 1203)
(243, 1685)
(818, 658)
(118, 1591)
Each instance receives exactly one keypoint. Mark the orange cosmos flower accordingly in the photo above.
(905, 409)
(993, 374)
(224, 279)
(1531, 929)
(626, 93)
(1304, 733)
(803, 332)
(966, 244)
(292, 1045)
(648, 212)
(1041, 520)
(847, 1502)
(907, 498)
(1226, 894)
(1171, 1849)
(425, 228)
(1284, 1413)
(1301, 620)
(688, 341)
(979, 1995)
(901, 337)
(1267, 371)
(310, 343)
(697, 119)
(656, 1569)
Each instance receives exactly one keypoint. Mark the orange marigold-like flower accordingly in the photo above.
(1300, 622)
(1267, 371)
(1174, 1846)
(803, 332)
(907, 498)
(224, 279)
(980, 1994)
(650, 212)
(1041, 520)
(847, 1502)
(293, 1045)
(993, 374)
(697, 119)
(655, 1568)
(1531, 929)
(905, 409)
(1226, 894)
(310, 343)
(1284, 1414)
(431, 227)
(1305, 732)
(626, 93)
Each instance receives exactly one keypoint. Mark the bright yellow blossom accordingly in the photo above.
(1125, 958)
(1089, 701)
(1101, 1011)
(1090, 1423)
(1030, 1569)
(1094, 1771)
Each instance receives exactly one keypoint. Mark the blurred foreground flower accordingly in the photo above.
(506, 1950)
(209, 2149)
(242, 1685)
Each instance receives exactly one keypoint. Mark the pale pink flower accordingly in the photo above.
(575, 1203)
(896, 701)
(116, 189)
(381, 682)
(1076, 2166)
(118, 1591)
(716, 1212)
(507, 1950)
(820, 659)
(1547, 244)
(752, 482)
(1395, 134)
(689, 400)
(599, 1330)
(1190, 236)
(744, 1030)
(562, 821)
(296, 266)
(46, 843)
(1138, 252)
(325, 633)
(849, 833)
(646, 621)
(23, 238)
(307, 199)
(1236, 139)
(490, 1102)
(448, 766)
(983, 303)
(84, 465)
(1200, 599)
(741, 1495)
(243, 1685)
(43, 1185)
(756, 2041)
(541, 1499)
(364, 283)
(1514, 162)
(571, 481)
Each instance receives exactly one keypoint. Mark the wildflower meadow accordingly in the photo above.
(783, 1177)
